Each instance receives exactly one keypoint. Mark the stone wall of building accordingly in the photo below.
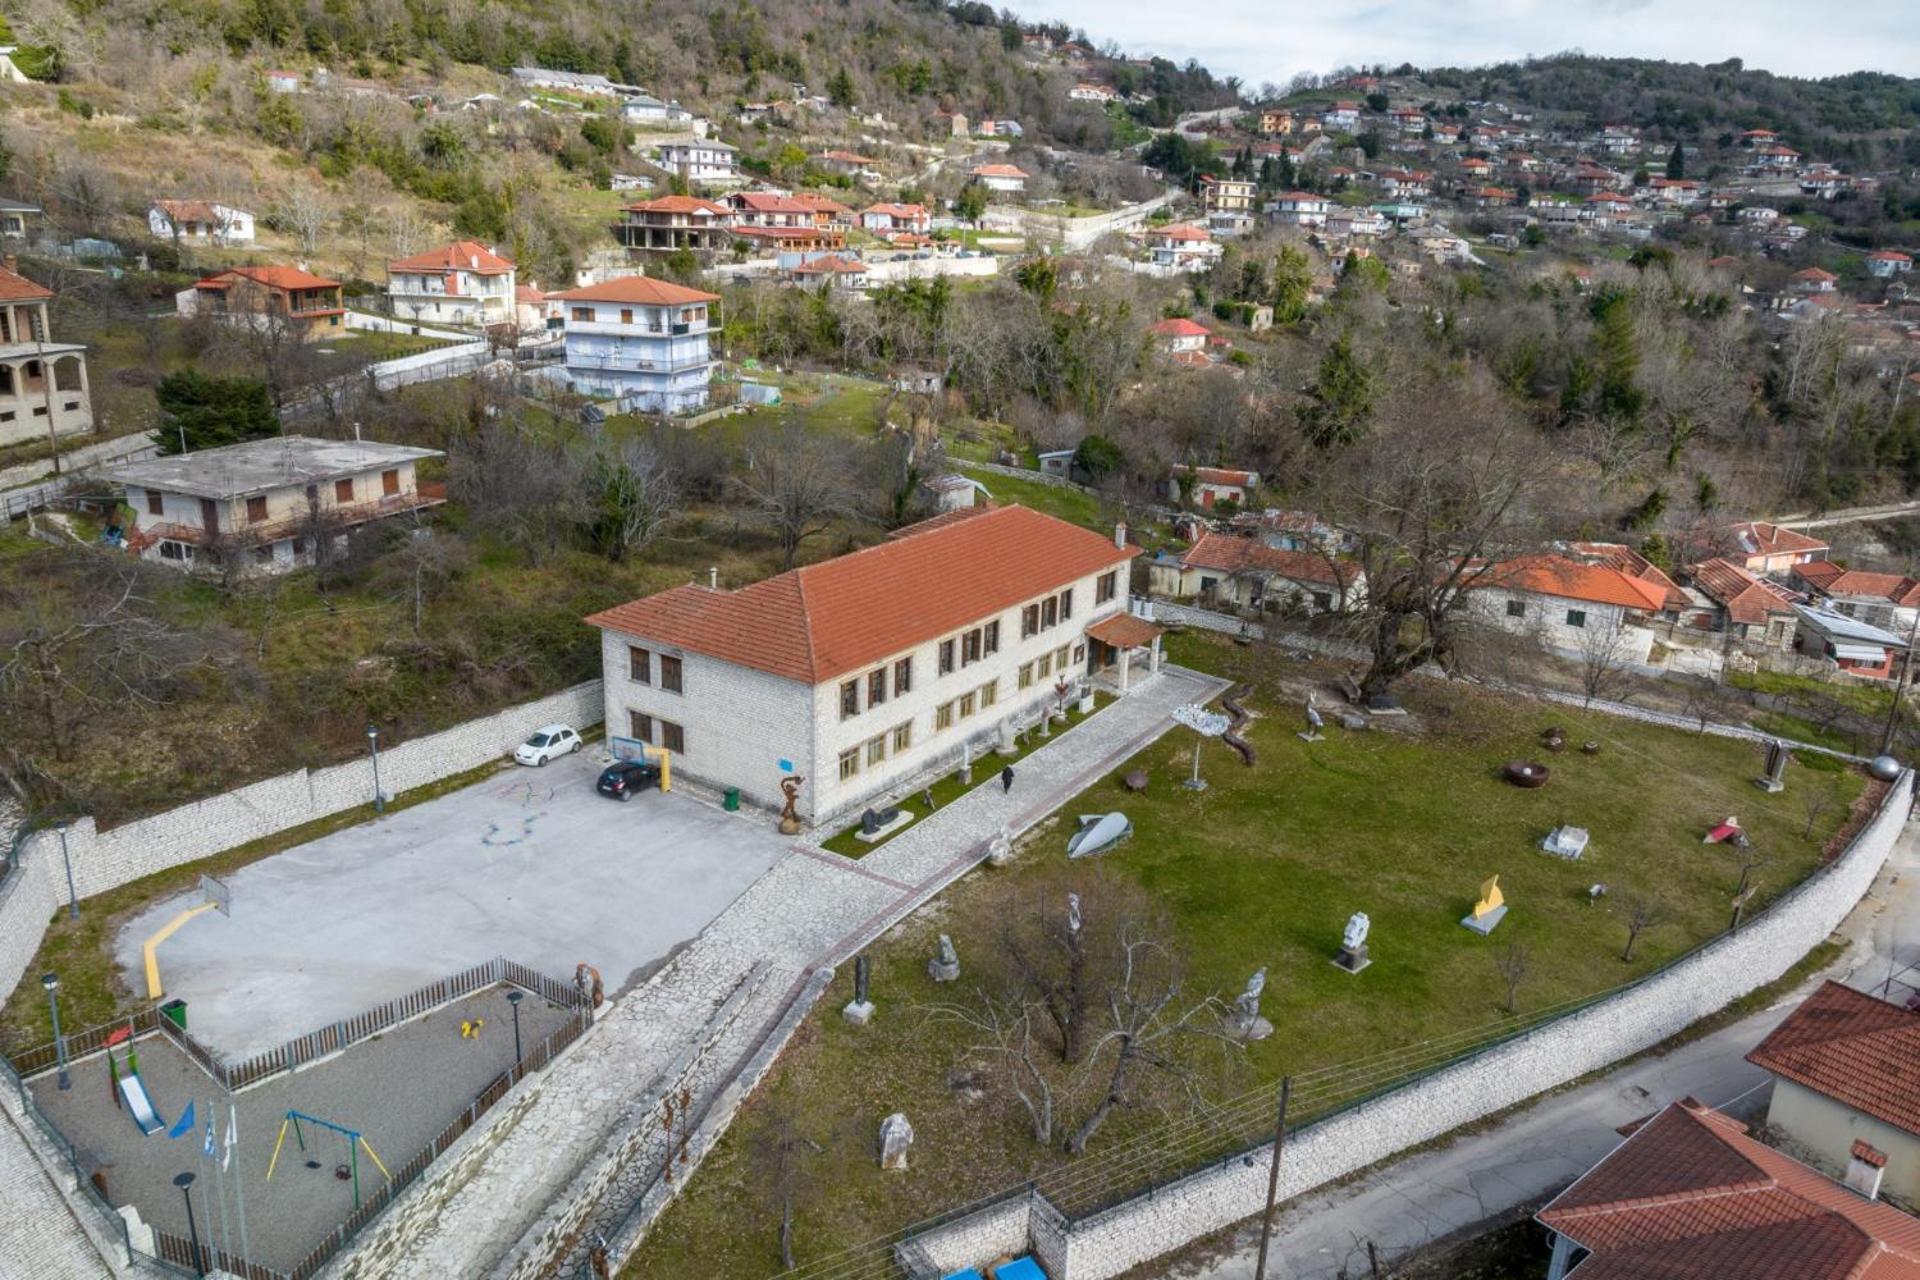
(104, 860)
(1113, 1241)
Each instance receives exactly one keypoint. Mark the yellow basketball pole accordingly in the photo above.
(666, 765)
(147, 949)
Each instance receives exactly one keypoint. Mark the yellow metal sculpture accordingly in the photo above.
(1490, 898)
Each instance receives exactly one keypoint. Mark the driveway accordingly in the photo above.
(530, 864)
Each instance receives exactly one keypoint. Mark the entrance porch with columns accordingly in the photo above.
(1122, 651)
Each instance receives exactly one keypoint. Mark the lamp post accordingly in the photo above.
(73, 899)
(513, 999)
(52, 983)
(373, 748)
(184, 1181)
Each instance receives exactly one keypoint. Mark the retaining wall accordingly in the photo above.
(1110, 1242)
(104, 860)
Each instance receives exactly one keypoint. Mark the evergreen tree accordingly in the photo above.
(1292, 281)
(840, 90)
(206, 413)
(1343, 396)
(1677, 162)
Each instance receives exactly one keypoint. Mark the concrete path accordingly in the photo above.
(39, 1239)
(1531, 1156)
(811, 910)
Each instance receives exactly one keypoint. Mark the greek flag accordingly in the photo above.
(206, 1147)
(226, 1153)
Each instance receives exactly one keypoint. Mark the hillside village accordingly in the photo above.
(1043, 533)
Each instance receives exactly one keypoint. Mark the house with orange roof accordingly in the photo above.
(1814, 280)
(1208, 487)
(464, 283)
(827, 212)
(1181, 246)
(1569, 604)
(1890, 600)
(1691, 1195)
(884, 217)
(674, 222)
(864, 675)
(43, 383)
(770, 220)
(1008, 178)
(640, 342)
(199, 221)
(829, 271)
(1244, 571)
(1846, 1089)
(310, 306)
(1179, 334)
(1884, 264)
(1767, 549)
(1757, 612)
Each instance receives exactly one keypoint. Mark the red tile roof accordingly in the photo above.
(1570, 579)
(999, 171)
(15, 287)
(908, 211)
(1826, 576)
(1858, 1050)
(676, 204)
(1689, 1196)
(1180, 327)
(272, 277)
(1814, 273)
(830, 264)
(1616, 555)
(820, 203)
(461, 255)
(1229, 554)
(1758, 538)
(1746, 598)
(644, 290)
(1124, 631)
(1179, 231)
(1218, 475)
(768, 202)
(824, 620)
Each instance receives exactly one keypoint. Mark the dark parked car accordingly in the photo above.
(624, 777)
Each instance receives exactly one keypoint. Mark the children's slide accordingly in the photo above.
(139, 1106)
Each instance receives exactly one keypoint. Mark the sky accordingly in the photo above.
(1261, 40)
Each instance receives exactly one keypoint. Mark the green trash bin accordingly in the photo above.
(732, 800)
(176, 1013)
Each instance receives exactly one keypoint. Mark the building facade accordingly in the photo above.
(204, 221)
(310, 306)
(266, 506)
(43, 383)
(863, 673)
(641, 342)
(464, 283)
(701, 161)
(674, 222)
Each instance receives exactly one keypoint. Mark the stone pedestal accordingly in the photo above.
(882, 830)
(1248, 1030)
(858, 1012)
(1311, 736)
(1772, 786)
(1352, 959)
(1485, 924)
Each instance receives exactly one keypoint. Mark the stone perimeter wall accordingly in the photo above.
(1111, 1242)
(104, 860)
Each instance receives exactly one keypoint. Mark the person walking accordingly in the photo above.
(1006, 780)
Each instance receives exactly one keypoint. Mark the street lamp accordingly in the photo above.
(373, 747)
(513, 999)
(73, 899)
(184, 1181)
(52, 983)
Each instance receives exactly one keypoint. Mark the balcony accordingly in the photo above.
(630, 364)
(334, 518)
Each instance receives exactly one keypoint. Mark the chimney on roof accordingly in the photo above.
(713, 579)
(13, 262)
(1865, 1166)
(1120, 534)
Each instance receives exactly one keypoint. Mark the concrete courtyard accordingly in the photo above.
(531, 864)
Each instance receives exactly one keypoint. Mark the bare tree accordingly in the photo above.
(782, 1155)
(1604, 654)
(800, 483)
(305, 212)
(1002, 1022)
(1513, 967)
(1642, 913)
(1815, 800)
(422, 562)
(631, 495)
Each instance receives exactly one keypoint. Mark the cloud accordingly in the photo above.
(1251, 39)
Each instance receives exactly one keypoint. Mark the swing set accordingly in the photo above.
(355, 1141)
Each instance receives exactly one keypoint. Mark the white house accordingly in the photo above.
(463, 283)
(701, 161)
(1889, 600)
(1887, 263)
(646, 110)
(864, 674)
(1300, 208)
(1001, 177)
(200, 220)
(641, 342)
(1341, 115)
(1182, 246)
(1085, 92)
(1179, 334)
(1569, 605)
(266, 503)
(896, 217)
(1210, 486)
(43, 384)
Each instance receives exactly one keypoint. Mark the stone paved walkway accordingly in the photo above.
(810, 910)
(39, 1239)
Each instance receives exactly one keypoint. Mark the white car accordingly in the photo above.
(547, 743)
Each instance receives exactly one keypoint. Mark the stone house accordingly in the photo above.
(1756, 612)
(865, 673)
(1569, 604)
(1889, 600)
(1245, 572)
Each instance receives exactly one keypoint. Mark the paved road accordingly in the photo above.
(1532, 1155)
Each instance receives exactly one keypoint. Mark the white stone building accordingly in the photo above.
(266, 503)
(1570, 605)
(866, 673)
(42, 382)
(201, 221)
(462, 283)
(641, 342)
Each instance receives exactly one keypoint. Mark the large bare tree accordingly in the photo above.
(800, 482)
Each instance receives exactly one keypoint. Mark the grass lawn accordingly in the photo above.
(949, 788)
(1074, 505)
(1263, 869)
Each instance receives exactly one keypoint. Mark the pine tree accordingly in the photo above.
(1677, 162)
(840, 90)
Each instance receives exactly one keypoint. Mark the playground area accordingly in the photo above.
(530, 863)
(397, 1091)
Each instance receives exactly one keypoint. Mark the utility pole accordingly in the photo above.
(1900, 687)
(1273, 1178)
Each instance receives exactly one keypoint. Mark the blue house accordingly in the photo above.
(640, 342)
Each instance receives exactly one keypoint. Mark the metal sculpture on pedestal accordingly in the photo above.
(859, 1010)
(1205, 723)
(1775, 780)
(789, 815)
(1315, 723)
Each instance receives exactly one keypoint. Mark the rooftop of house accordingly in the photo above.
(1179, 327)
(1748, 599)
(15, 287)
(897, 210)
(830, 264)
(191, 210)
(1836, 581)
(1758, 538)
(1844, 630)
(999, 171)
(461, 255)
(769, 202)
(289, 278)
(1180, 231)
(1690, 1196)
(848, 157)
(644, 290)
(1854, 1048)
(824, 620)
(256, 466)
(676, 204)
(1217, 475)
(1229, 553)
(18, 206)
(1570, 579)
(819, 203)
(1616, 555)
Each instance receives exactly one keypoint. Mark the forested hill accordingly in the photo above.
(1861, 110)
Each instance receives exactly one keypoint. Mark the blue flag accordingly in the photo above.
(206, 1148)
(184, 1125)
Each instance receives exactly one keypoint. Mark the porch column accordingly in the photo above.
(1153, 657)
(1126, 665)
